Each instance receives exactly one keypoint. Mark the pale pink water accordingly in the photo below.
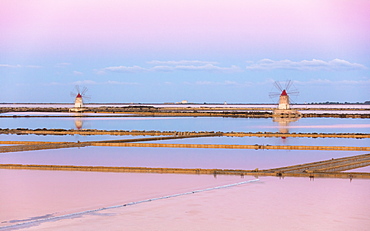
(269, 204)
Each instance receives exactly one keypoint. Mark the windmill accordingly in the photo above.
(284, 93)
(79, 95)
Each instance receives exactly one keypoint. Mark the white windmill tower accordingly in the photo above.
(79, 100)
(283, 109)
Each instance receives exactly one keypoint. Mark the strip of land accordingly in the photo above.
(88, 132)
(329, 169)
(183, 112)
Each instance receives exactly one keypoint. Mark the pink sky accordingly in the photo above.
(190, 23)
(113, 42)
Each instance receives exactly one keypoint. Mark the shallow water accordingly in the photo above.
(287, 204)
(200, 140)
(304, 141)
(64, 138)
(304, 125)
(172, 157)
(27, 194)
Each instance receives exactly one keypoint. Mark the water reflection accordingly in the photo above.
(284, 124)
(78, 124)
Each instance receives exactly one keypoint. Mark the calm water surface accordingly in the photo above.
(172, 157)
(268, 204)
(200, 140)
(319, 125)
(289, 203)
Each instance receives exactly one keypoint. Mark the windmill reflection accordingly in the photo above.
(78, 124)
(284, 124)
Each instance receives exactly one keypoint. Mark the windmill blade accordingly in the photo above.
(293, 93)
(288, 84)
(72, 94)
(86, 97)
(84, 90)
(278, 85)
(77, 89)
(274, 94)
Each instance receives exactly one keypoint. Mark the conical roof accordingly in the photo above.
(79, 95)
(284, 93)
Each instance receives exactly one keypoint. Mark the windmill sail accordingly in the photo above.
(79, 99)
(283, 109)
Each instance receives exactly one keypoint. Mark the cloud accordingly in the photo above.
(306, 65)
(77, 73)
(224, 83)
(90, 82)
(54, 84)
(10, 66)
(124, 69)
(62, 64)
(227, 82)
(19, 66)
(208, 67)
(333, 82)
(181, 62)
(84, 82)
(119, 83)
(33, 66)
(168, 68)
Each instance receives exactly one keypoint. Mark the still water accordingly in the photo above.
(172, 157)
(318, 125)
(33, 198)
(365, 142)
(287, 204)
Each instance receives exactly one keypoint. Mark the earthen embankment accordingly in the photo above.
(89, 132)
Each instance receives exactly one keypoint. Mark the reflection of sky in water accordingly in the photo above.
(270, 141)
(289, 203)
(171, 157)
(25, 194)
(363, 169)
(37, 193)
(200, 140)
(319, 125)
(64, 138)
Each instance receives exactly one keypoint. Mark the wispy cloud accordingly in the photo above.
(90, 82)
(19, 66)
(33, 66)
(84, 82)
(227, 82)
(171, 66)
(306, 65)
(182, 62)
(206, 67)
(10, 66)
(62, 64)
(77, 73)
(119, 83)
(333, 82)
(125, 69)
(224, 83)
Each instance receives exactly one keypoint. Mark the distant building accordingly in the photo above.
(79, 105)
(283, 109)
